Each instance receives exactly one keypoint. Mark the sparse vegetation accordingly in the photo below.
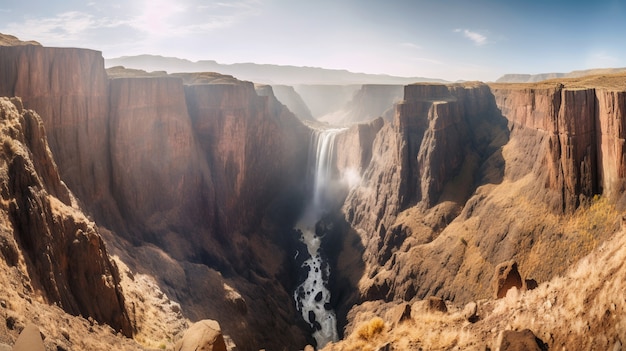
(371, 329)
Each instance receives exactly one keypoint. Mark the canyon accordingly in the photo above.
(147, 201)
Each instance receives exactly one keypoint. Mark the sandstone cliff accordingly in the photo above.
(69, 89)
(57, 250)
(469, 176)
(159, 176)
(191, 163)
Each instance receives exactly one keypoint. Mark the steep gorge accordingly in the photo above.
(472, 175)
(199, 179)
(193, 164)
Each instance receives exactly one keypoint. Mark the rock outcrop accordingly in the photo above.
(68, 88)
(523, 340)
(506, 277)
(191, 163)
(204, 335)
(46, 236)
(159, 176)
(463, 179)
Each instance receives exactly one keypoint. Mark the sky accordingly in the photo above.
(447, 39)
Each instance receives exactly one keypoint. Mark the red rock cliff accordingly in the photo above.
(68, 88)
(159, 177)
(473, 175)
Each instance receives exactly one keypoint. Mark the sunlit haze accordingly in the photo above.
(448, 39)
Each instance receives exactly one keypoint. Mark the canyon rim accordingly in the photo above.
(138, 205)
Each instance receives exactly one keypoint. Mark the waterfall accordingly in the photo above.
(312, 296)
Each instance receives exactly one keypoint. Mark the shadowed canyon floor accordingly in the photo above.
(137, 205)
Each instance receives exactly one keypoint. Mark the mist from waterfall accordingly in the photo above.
(312, 296)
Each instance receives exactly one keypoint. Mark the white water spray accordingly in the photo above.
(312, 296)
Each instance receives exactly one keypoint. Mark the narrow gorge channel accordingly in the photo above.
(313, 297)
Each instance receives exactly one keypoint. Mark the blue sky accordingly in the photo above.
(449, 39)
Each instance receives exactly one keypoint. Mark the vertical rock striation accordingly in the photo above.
(53, 243)
(68, 88)
(159, 177)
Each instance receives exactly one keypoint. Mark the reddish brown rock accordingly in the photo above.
(506, 276)
(564, 120)
(159, 176)
(68, 88)
(29, 340)
(436, 304)
(611, 133)
(524, 340)
(60, 248)
(252, 143)
(205, 335)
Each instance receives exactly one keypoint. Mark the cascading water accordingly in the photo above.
(312, 296)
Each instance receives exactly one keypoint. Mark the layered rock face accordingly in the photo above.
(439, 134)
(68, 88)
(582, 130)
(58, 251)
(159, 176)
(469, 176)
(191, 163)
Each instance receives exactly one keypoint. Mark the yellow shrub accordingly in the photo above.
(370, 329)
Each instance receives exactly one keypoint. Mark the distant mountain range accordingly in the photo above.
(262, 73)
(532, 78)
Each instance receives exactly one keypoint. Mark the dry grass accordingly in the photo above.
(597, 79)
(583, 309)
(369, 330)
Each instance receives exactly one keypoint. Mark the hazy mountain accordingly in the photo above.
(261, 73)
(532, 78)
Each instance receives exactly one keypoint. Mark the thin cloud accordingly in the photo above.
(62, 28)
(476, 37)
(411, 45)
(166, 18)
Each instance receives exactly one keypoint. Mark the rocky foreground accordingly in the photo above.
(135, 205)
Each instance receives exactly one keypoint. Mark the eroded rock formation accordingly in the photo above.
(46, 236)
(431, 210)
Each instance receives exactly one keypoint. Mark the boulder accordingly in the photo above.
(470, 312)
(401, 313)
(29, 340)
(524, 340)
(436, 304)
(205, 335)
(505, 277)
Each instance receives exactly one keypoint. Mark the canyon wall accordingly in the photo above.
(69, 89)
(471, 175)
(57, 251)
(193, 164)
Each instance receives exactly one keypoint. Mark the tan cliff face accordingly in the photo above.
(68, 88)
(57, 250)
(192, 173)
(159, 176)
(465, 176)
(144, 152)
